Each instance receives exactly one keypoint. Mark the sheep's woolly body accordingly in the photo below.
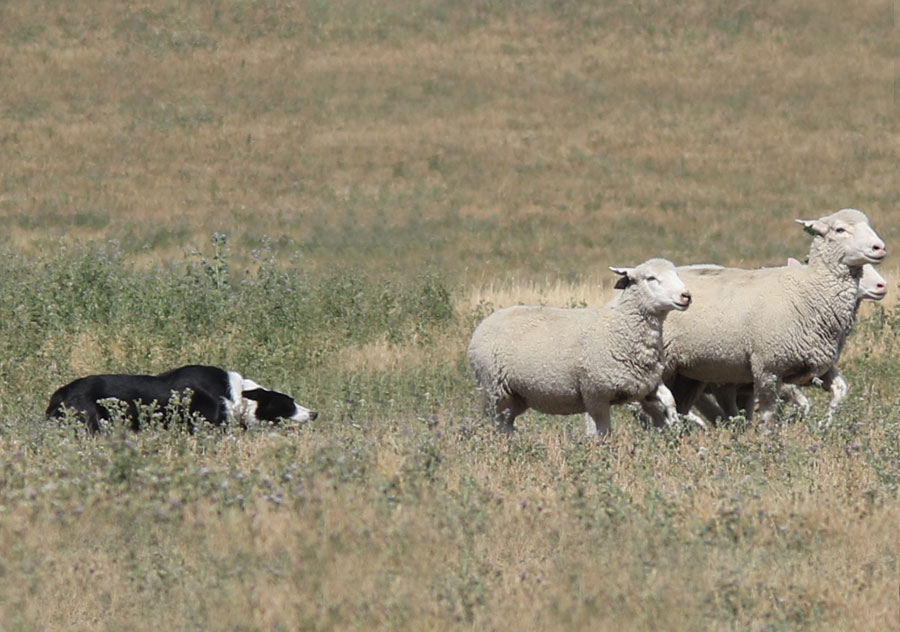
(512, 354)
(769, 325)
(789, 321)
(566, 361)
(872, 286)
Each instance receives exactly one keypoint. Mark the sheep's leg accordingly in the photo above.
(664, 405)
(660, 406)
(744, 402)
(765, 389)
(590, 426)
(839, 391)
(791, 393)
(506, 410)
(727, 399)
(709, 409)
(665, 397)
(655, 410)
(835, 382)
(697, 419)
(596, 419)
(686, 391)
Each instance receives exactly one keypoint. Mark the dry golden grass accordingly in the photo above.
(614, 132)
(691, 537)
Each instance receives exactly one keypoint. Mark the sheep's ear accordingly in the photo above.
(793, 263)
(814, 226)
(626, 279)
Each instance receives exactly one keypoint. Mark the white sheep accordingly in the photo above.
(567, 361)
(732, 398)
(771, 325)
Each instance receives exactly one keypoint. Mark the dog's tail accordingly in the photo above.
(56, 400)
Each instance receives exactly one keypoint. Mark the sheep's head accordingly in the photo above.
(849, 234)
(657, 283)
(871, 284)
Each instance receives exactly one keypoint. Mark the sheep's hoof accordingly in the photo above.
(691, 417)
(596, 437)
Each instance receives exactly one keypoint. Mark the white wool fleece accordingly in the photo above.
(564, 361)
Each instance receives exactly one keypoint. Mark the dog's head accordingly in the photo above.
(261, 404)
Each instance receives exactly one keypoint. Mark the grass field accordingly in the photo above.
(328, 196)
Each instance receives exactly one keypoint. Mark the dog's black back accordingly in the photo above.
(270, 405)
(209, 379)
(82, 395)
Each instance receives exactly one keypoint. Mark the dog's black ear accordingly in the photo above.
(253, 394)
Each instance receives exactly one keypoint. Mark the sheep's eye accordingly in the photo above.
(840, 229)
(651, 278)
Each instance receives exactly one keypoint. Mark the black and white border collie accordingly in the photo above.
(218, 395)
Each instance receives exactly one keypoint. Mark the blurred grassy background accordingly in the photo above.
(482, 139)
(327, 196)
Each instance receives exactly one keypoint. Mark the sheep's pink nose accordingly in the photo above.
(686, 297)
(879, 249)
